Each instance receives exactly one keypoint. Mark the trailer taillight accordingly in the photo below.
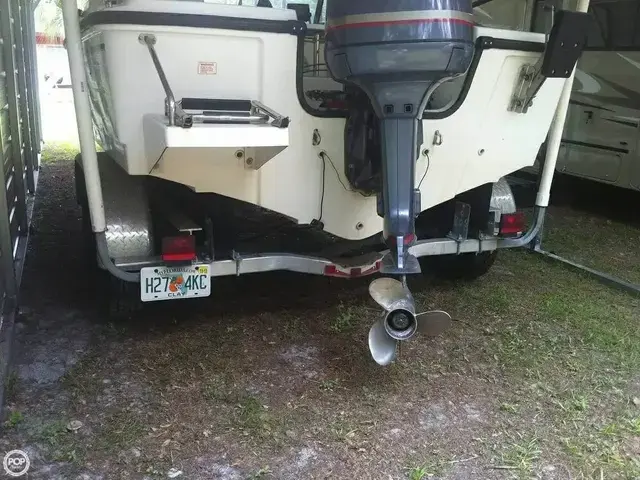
(512, 223)
(179, 249)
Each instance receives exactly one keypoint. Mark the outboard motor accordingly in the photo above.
(397, 52)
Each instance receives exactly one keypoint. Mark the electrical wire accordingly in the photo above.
(324, 156)
(426, 171)
(324, 184)
(159, 158)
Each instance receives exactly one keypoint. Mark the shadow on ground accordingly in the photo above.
(271, 378)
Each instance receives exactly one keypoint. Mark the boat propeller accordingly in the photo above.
(399, 321)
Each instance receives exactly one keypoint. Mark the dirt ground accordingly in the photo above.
(271, 376)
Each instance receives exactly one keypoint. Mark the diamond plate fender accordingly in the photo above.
(128, 218)
(502, 198)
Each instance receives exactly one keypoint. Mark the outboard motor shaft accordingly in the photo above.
(396, 52)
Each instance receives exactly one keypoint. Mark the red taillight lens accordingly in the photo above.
(179, 249)
(512, 223)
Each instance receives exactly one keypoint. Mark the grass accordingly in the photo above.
(54, 433)
(419, 473)
(257, 423)
(567, 347)
(261, 473)
(345, 320)
(11, 386)
(521, 456)
(584, 238)
(15, 418)
(545, 351)
(343, 431)
(59, 151)
(565, 351)
(251, 415)
(575, 404)
(607, 448)
(79, 381)
(119, 431)
(329, 385)
(509, 407)
(61, 445)
(425, 471)
(218, 388)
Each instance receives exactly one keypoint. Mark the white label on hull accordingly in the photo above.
(207, 68)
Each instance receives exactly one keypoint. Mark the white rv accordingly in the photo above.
(602, 133)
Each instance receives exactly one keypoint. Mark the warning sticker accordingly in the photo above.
(207, 68)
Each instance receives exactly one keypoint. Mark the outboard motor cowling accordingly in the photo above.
(397, 52)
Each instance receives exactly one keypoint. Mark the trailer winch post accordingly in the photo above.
(73, 40)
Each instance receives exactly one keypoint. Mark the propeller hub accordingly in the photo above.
(401, 324)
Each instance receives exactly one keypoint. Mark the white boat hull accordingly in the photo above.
(478, 143)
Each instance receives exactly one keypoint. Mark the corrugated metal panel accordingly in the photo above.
(19, 132)
(4, 112)
(4, 125)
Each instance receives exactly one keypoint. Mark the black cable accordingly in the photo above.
(325, 156)
(324, 184)
(159, 158)
(425, 172)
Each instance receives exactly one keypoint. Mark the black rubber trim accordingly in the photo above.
(482, 44)
(489, 43)
(216, 104)
(596, 146)
(292, 27)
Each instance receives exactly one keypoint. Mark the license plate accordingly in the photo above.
(174, 283)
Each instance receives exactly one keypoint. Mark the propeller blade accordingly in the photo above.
(433, 323)
(381, 345)
(388, 292)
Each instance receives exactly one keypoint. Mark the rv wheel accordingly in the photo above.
(459, 267)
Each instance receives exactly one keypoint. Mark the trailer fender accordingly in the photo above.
(502, 198)
(128, 217)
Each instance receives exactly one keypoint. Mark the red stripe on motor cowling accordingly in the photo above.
(400, 22)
